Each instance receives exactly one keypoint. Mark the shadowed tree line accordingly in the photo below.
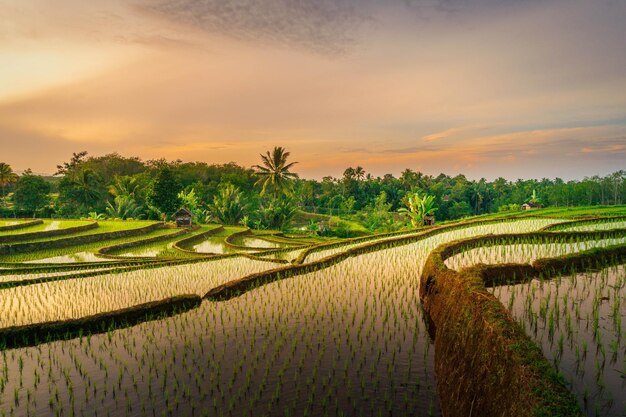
(270, 194)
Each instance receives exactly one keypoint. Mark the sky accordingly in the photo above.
(487, 88)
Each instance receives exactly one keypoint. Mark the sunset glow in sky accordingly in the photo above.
(513, 88)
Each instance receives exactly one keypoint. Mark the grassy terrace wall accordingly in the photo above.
(229, 241)
(21, 225)
(35, 268)
(280, 238)
(326, 246)
(409, 236)
(462, 245)
(75, 240)
(583, 222)
(106, 252)
(30, 335)
(275, 251)
(477, 340)
(48, 233)
(114, 267)
(255, 257)
(185, 244)
(485, 363)
(237, 287)
(479, 348)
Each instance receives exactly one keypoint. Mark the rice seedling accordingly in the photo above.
(215, 244)
(348, 338)
(567, 315)
(104, 226)
(286, 346)
(87, 251)
(525, 253)
(56, 300)
(45, 225)
(588, 349)
(164, 247)
(519, 226)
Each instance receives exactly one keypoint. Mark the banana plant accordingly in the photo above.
(418, 208)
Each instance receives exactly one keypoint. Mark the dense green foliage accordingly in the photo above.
(32, 193)
(229, 206)
(165, 191)
(269, 195)
(7, 177)
(418, 207)
(274, 173)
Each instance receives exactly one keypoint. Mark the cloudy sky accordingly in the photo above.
(513, 88)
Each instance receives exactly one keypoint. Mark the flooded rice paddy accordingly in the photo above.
(347, 340)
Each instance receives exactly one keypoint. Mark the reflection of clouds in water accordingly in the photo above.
(212, 245)
(75, 257)
(148, 253)
(52, 226)
(259, 243)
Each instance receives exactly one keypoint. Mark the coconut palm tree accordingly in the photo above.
(128, 186)
(229, 206)
(7, 177)
(87, 188)
(124, 207)
(134, 188)
(274, 172)
(359, 173)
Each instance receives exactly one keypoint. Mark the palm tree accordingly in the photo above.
(87, 188)
(229, 206)
(133, 188)
(128, 186)
(349, 174)
(275, 172)
(359, 173)
(124, 207)
(7, 177)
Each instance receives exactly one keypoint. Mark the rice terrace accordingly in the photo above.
(126, 317)
(298, 208)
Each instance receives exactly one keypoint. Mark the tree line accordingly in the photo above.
(270, 194)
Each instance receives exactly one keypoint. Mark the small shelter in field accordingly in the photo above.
(530, 206)
(429, 220)
(183, 217)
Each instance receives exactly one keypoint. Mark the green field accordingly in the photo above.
(225, 321)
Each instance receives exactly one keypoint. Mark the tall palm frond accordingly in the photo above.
(7, 177)
(274, 173)
(87, 187)
(127, 186)
(124, 207)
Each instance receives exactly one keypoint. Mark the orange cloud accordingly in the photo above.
(433, 96)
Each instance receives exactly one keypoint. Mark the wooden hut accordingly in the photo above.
(183, 217)
(429, 220)
(530, 206)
